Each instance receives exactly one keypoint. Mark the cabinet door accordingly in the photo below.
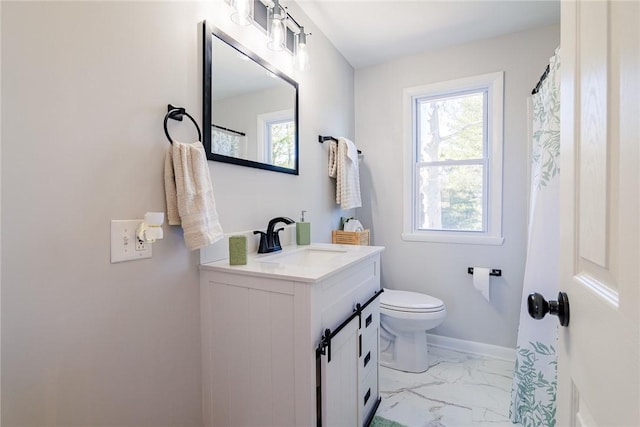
(339, 378)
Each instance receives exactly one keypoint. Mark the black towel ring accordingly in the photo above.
(176, 113)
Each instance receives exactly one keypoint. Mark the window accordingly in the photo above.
(279, 141)
(453, 161)
(276, 136)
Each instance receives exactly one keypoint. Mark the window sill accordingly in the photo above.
(468, 239)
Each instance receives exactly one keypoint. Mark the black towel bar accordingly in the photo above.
(176, 113)
(322, 139)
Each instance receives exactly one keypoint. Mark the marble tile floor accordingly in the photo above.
(458, 390)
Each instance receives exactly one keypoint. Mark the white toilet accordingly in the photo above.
(405, 318)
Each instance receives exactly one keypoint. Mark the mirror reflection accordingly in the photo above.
(251, 108)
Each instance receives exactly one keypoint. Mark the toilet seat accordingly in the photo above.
(410, 302)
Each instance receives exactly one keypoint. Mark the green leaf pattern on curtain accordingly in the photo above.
(534, 400)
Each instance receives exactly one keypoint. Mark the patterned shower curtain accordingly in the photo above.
(533, 394)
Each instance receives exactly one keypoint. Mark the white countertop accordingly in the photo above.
(279, 265)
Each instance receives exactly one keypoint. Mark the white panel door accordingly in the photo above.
(599, 357)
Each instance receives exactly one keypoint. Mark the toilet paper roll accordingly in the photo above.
(481, 281)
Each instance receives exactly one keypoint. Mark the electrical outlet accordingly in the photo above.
(124, 242)
(141, 245)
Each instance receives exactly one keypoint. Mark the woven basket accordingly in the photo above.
(351, 237)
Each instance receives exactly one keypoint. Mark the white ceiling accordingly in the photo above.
(369, 32)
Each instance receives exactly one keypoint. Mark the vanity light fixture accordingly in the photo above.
(284, 33)
(302, 54)
(277, 27)
(241, 12)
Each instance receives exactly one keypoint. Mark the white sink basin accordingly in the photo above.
(308, 256)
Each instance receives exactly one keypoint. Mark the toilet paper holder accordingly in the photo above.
(494, 271)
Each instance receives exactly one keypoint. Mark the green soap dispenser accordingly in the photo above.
(303, 231)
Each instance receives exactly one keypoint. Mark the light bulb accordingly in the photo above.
(277, 35)
(302, 54)
(242, 12)
(278, 29)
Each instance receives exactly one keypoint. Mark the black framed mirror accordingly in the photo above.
(250, 109)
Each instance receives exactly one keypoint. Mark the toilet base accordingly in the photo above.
(404, 352)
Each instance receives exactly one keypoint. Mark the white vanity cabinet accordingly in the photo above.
(261, 325)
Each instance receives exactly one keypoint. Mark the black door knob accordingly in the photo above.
(538, 307)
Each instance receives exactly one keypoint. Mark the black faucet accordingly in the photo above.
(270, 241)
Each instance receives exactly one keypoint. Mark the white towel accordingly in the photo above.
(343, 166)
(189, 195)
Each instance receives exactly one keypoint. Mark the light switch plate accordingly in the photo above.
(123, 241)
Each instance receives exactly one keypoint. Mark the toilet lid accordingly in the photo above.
(409, 301)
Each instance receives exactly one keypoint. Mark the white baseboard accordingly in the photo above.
(472, 347)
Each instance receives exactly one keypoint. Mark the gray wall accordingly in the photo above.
(84, 89)
(440, 269)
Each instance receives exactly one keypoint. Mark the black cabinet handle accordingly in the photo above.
(367, 396)
(368, 321)
(367, 358)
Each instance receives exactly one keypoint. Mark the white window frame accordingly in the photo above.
(264, 120)
(493, 83)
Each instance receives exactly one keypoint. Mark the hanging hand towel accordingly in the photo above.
(343, 166)
(189, 195)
